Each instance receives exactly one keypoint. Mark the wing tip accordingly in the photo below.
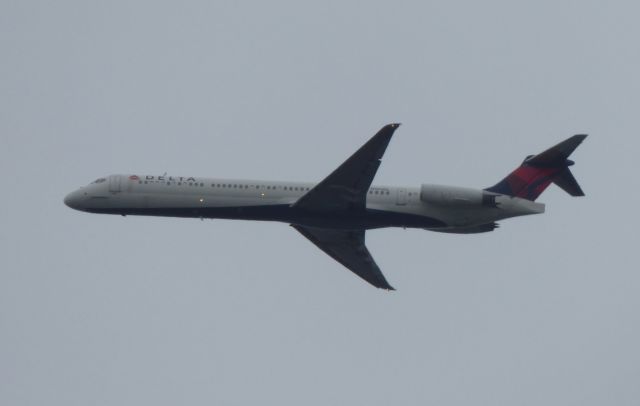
(386, 286)
(387, 131)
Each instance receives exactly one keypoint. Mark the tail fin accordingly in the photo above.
(537, 172)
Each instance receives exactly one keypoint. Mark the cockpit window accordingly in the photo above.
(99, 180)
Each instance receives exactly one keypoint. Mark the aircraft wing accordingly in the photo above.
(348, 248)
(346, 187)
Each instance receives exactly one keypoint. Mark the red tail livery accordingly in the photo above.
(537, 172)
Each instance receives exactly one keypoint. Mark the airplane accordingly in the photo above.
(335, 213)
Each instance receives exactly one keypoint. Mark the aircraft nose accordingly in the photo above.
(74, 200)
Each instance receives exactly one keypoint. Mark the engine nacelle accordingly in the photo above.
(456, 196)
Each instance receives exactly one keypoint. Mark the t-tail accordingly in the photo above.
(537, 172)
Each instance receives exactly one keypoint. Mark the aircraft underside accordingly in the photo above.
(356, 220)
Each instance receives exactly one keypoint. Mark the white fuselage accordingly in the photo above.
(433, 207)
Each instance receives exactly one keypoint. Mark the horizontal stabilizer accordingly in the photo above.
(568, 183)
(558, 154)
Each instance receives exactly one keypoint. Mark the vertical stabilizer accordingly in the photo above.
(537, 172)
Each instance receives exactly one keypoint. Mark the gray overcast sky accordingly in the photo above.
(106, 310)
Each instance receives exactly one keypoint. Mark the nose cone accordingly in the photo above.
(74, 200)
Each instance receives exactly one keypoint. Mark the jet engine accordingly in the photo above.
(456, 196)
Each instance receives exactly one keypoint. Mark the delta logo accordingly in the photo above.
(164, 178)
